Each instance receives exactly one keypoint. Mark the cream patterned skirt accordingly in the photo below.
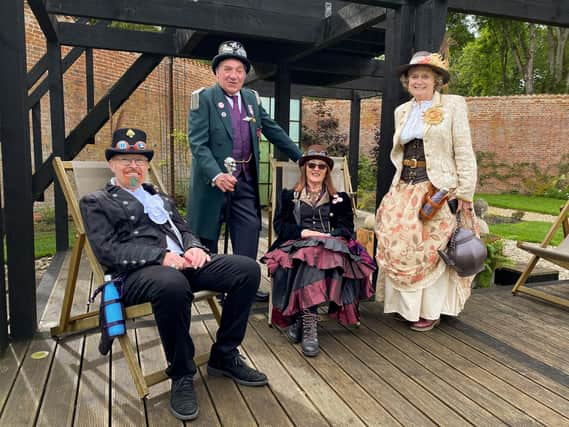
(413, 279)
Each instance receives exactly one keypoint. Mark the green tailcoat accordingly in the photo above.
(211, 141)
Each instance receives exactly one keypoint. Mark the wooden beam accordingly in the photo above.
(348, 65)
(542, 12)
(95, 120)
(90, 84)
(4, 338)
(348, 21)
(185, 41)
(390, 4)
(227, 19)
(267, 88)
(354, 145)
(40, 67)
(37, 139)
(37, 71)
(42, 88)
(17, 171)
(370, 84)
(399, 45)
(117, 39)
(282, 104)
(430, 24)
(48, 24)
(554, 12)
(57, 115)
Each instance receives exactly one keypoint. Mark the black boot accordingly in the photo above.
(309, 344)
(294, 331)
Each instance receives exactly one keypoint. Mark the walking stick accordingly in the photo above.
(230, 165)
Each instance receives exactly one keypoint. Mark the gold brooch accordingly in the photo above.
(433, 116)
(130, 133)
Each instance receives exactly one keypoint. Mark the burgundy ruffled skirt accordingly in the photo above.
(312, 271)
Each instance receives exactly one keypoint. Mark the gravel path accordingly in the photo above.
(529, 216)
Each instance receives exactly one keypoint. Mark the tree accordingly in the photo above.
(504, 57)
(557, 38)
(326, 132)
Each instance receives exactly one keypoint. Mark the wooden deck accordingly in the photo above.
(505, 360)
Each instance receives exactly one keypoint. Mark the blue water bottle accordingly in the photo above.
(112, 305)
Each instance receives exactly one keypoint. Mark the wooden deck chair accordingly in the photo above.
(558, 255)
(89, 176)
(290, 175)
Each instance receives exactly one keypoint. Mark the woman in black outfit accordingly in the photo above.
(315, 258)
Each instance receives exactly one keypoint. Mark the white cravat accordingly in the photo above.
(414, 127)
(154, 208)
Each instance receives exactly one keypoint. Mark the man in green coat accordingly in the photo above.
(225, 123)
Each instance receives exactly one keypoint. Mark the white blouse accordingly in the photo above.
(415, 126)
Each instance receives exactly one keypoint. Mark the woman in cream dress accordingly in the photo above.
(431, 145)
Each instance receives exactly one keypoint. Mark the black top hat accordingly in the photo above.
(129, 141)
(231, 49)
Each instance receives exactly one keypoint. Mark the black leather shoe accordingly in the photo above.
(294, 331)
(239, 371)
(183, 400)
(261, 296)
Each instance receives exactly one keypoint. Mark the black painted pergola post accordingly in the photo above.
(430, 24)
(354, 146)
(398, 48)
(56, 103)
(282, 102)
(410, 29)
(3, 306)
(17, 171)
(282, 114)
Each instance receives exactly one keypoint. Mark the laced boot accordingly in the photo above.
(309, 343)
(294, 331)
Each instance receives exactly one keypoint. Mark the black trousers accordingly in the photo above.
(244, 222)
(171, 294)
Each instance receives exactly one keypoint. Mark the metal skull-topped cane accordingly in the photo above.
(230, 165)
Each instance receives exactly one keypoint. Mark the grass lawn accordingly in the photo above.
(521, 202)
(527, 231)
(44, 242)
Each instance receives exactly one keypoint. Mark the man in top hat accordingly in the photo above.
(226, 120)
(138, 236)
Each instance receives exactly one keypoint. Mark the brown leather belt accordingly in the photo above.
(414, 163)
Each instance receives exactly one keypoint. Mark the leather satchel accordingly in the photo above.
(465, 251)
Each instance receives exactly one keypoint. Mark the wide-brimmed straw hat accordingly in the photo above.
(433, 60)
(316, 151)
(129, 141)
(231, 49)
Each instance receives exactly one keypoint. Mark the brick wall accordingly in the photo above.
(517, 129)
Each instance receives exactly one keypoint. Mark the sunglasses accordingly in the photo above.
(126, 146)
(321, 166)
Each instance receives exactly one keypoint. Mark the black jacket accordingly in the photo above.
(286, 228)
(122, 236)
